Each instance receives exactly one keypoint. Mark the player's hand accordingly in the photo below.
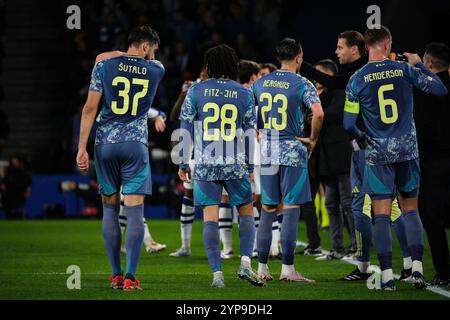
(258, 136)
(252, 177)
(83, 160)
(185, 175)
(310, 144)
(160, 124)
(413, 58)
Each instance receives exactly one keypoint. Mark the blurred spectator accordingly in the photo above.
(4, 130)
(15, 187)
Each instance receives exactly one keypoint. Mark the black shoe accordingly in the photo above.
(357, 275)
(388, 286)
(406, 273)
(439, 282)
(418, 280)
(311, 252)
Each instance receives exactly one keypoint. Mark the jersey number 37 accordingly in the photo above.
(125, 94)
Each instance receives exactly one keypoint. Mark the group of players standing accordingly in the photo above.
(220, 120)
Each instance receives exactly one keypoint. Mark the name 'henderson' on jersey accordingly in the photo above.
(382, 92)
(222, 111)
(283, 98)
(128, 84)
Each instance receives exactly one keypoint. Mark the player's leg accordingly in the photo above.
(379, 184)
(336, 218)
(187, 218)
(270, 198)
(398, 224)
(226, 227)
(207, 194)
(136, 183)
(295, 191)
(345, 200)
(122, 222)
(107, 169)
(240, 194)
(361, 207)
(407, 181)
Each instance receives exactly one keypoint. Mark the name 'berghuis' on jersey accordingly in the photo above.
(128, 84)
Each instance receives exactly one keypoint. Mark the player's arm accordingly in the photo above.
(248, 125)
(422, 77)
(187, 117)
(88, 115)
(175, 113)
(159, 117)
(108, 55)
(351, 112)
(331, 82)
(312, 102)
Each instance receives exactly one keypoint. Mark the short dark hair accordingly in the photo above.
(439, 53)
(269, 66)
(221, 62)
(141, 34)
(328, 64)
(288, 49)
(376, 34)
(247, 69)
(354, 38)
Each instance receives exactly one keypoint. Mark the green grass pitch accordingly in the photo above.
(34, 256)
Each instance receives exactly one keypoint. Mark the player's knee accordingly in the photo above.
(133, 200)
(111, 200)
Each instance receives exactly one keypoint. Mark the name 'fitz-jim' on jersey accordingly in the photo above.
(382, 92)
(128, 85)
(219, 113)
(283, 99)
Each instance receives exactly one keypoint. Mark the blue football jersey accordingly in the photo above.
(283, 98)
(128, 85)
(221, 112)
(382, 92)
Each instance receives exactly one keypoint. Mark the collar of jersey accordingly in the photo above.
(378, 61)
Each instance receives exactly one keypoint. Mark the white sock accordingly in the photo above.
(387, 275)
(225, 228)
(407, 263)
(256, 216)
(262, 267)
(147, 236)
(122, 219)
(417, 266)
(363, 266)
(285, 269)
(246, 261)
(187, 219)
(275, 238)
(218, 274)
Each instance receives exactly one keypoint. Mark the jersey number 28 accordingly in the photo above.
(125, 95)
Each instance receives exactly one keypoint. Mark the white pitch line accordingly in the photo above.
(434, 289)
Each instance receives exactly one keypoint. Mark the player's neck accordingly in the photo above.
(134, 52)
(375, 55)
(289, 67)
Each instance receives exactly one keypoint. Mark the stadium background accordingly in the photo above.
(45, 69)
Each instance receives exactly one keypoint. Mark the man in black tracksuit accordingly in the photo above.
(351, 54)
(432, 116)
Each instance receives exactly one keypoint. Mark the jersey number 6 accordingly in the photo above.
(387, 102)
(125, 95)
